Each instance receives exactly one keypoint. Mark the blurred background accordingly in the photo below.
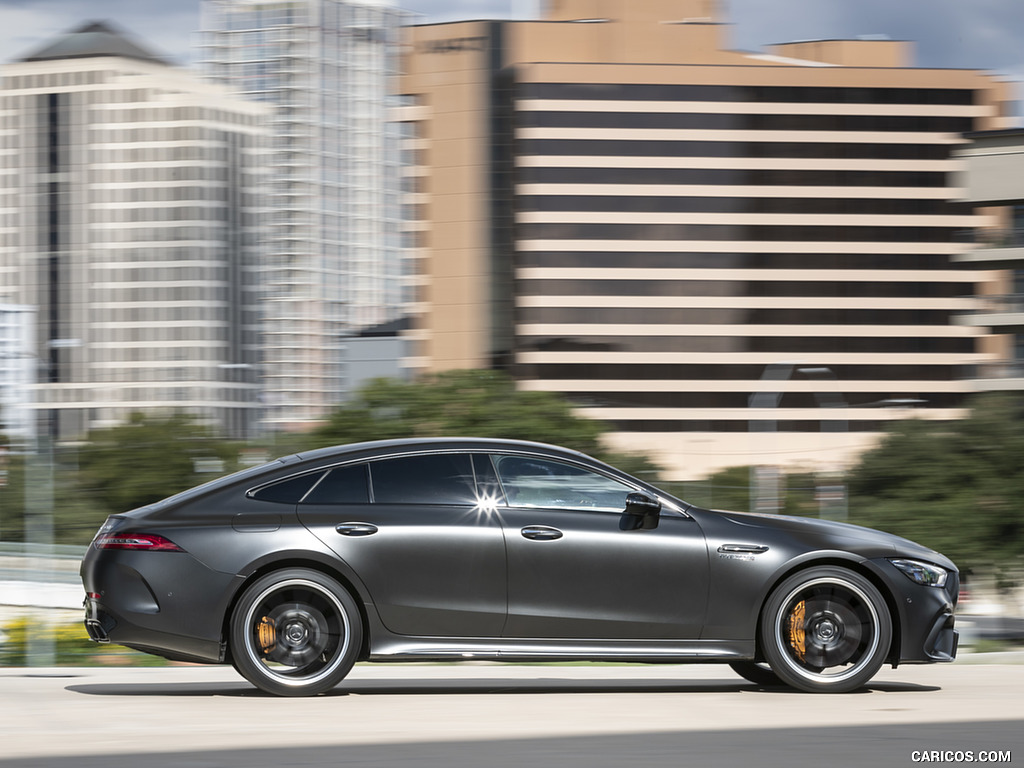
(783, 280)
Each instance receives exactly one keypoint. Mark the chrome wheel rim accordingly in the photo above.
(827, 630)
(297, 632)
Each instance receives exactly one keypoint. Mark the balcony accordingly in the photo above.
(998, 376)
(1002, 314)
(994, 248)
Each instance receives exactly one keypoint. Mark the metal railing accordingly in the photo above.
(1008, 303)
(1004, 370)
(1011, 237)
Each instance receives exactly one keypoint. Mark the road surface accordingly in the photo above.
(484, 716)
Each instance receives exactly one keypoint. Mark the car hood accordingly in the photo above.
(855, 537)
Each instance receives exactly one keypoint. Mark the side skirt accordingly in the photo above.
(400, 648)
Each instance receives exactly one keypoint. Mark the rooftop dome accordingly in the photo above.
(97, 38)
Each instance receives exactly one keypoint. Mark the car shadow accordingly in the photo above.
(496, 686)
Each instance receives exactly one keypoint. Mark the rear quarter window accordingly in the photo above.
(288, 491)
(343, 485)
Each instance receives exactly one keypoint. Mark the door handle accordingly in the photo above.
(541, 533)
(356, 529)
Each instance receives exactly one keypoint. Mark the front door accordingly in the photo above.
(574, 572)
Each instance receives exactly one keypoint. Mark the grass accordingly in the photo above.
(71, 644)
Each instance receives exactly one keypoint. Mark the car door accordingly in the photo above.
(576, 571)
(412, 528)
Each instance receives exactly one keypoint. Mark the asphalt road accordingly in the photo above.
(479, 716)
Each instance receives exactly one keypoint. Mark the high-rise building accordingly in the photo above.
(129, 220)
(335, 237)
(992, 179)
(731, 257)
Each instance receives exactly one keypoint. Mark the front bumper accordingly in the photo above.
(925, 615)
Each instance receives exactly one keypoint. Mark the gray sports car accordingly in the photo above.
(503, 550)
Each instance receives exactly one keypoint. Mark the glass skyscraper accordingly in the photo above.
(334, 210)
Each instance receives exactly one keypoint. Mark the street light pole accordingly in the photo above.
(832, 497)
(39, 495)
(764, 480)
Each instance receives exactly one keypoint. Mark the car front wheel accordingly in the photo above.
(826, 629)
(295, 632)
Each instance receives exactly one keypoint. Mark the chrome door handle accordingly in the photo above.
(356, 529)
(541, 533)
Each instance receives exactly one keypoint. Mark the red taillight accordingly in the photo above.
(150, 542)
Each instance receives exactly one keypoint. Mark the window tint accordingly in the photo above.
(288, 491)
(343, 485)
(531, 482)
(445, 478)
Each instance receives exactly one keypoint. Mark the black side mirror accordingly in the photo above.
(641, 512)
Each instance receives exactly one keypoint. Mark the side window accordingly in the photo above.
(343, 485)
(444, 478)
(288, 491)
(534, 482)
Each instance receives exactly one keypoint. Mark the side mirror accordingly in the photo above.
(641, 512)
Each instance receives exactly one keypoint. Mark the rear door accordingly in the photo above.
(415, 531)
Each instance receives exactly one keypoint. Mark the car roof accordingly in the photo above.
(382, 447)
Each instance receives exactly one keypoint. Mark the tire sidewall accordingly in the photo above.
(778, 657)
(758, 674)
(253, 670)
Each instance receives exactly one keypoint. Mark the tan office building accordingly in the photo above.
(732, 257)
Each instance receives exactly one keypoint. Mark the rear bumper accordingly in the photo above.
(147, 601)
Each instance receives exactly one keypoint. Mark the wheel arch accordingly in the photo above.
(858, 566)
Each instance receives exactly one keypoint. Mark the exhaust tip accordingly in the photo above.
(96, 631)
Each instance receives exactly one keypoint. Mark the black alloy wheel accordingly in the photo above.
(295, 632)
(826, 629)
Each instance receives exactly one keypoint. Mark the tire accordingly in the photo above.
(826, 630)
(295, 632)
(758, 674)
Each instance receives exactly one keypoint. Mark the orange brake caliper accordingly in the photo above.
(266, 634)
(796, 630)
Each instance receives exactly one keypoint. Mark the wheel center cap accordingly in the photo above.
(295, 633)
(826, 630)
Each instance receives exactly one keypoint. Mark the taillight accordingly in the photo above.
(150, 542)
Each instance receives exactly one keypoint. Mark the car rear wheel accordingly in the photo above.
(295, 632)
(826, 629)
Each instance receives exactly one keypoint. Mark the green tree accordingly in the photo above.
(148, 459)
(468, 403)
(952, 486)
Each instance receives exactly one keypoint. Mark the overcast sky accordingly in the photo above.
(973, 34)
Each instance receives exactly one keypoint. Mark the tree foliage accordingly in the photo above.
(952, 486)
(147, 459)
(463, 403)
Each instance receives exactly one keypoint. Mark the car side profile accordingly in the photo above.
(463, 548)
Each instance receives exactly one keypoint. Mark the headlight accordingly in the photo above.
(925, 574)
